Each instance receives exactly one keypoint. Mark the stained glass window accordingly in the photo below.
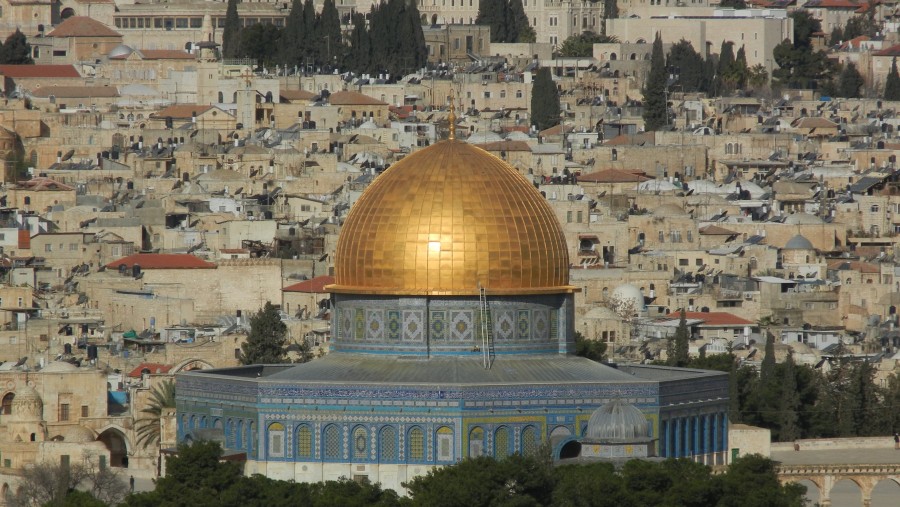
(416, 444)
(304, 441)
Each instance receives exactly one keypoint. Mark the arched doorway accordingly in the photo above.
(115, 442)
(6, 406)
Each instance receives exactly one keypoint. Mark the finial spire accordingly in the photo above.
(452, 118)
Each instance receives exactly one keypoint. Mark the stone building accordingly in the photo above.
(452, 337)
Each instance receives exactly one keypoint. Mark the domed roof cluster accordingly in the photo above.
(446, 220)
(617, 420)
(27, 404)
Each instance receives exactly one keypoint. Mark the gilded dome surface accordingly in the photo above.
(445, 220)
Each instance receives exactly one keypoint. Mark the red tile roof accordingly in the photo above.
(152, 367)
(831, 4)
(296, 95)
(713, 318)
(61, 92)
(42, 184)
(314, 286)
(353, 99)
(181, 111)
(162, 261)
(613, 176)
(41, 71)
(891, 51)
(83, 26)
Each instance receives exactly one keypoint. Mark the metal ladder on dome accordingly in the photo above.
(487, 338)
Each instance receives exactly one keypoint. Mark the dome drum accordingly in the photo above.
(423, 326)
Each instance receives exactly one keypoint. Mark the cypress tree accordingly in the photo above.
(493, 13)
(788, 428)
(518, 27)
(231, 33)
(544, 100)
(892, 85)
(682, 342)
(740, 69)
(292, 37)
(851, 81)
(725, 77)
(329, 32)
(360, 45)
(267, 341)
(308, 35)
(655, 107)
(16, 50)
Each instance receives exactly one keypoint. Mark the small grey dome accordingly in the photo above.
(802, 219)
(799, 242)
(617, 420)
(120, 51)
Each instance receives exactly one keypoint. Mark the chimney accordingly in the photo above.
(58, 157)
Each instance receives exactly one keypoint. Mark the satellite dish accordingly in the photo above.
(68, 155)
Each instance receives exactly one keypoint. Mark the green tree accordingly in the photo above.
(397, 41)
(329, 34)
(147, 428)
(788, 419)
(360, 58)
(734, 4)
(591, 349)
(892, 85)
(850, 82)
(258, 42)
(513, 481)
(861, 25)
(493, 14)
(291, 47)
(688, 67)
(231, 32)
(726, 78)
(309, 41)
(544, 100)
(798, 64)
(680, 343)
(656, 110)
(751, 481)
(758, 76)
(582, 45)
(594, 485)
(837, 36)
(517, 25)
(267, 341)
(16, 50)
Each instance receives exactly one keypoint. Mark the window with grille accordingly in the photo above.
(388, 444)
(64, 412)
(332, 443)
(304, 441)
(276, 440)
(360, 443)
(416, 444)
(529, 441)
(501, 443)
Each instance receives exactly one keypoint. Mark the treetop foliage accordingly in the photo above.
(267, 341)
(16, 50)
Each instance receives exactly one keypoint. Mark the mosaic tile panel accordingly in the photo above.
(438, 325)
(462, 326)
(413, 326)
(554, 325)
(375, 325)
(360, 324)
(523, 324)
(504, 325)
(393, 325)
(347, 323)
(541, 329)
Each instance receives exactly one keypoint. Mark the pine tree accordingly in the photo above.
(360, 45)
(851, 81)
(767, 367)
(308, 34)
(16, 50)
(892, 85)
(544, 100)
(740, 69)
(231, 33)
(267, 341)
(518, 27)
(655, 107)
(689, 65)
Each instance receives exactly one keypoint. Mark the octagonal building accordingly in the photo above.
(452, 337)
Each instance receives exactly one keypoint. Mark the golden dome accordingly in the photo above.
(445, 220)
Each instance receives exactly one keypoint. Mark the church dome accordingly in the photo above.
(445, 220)
(799, 242)
(27, 404)
(617, 420)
